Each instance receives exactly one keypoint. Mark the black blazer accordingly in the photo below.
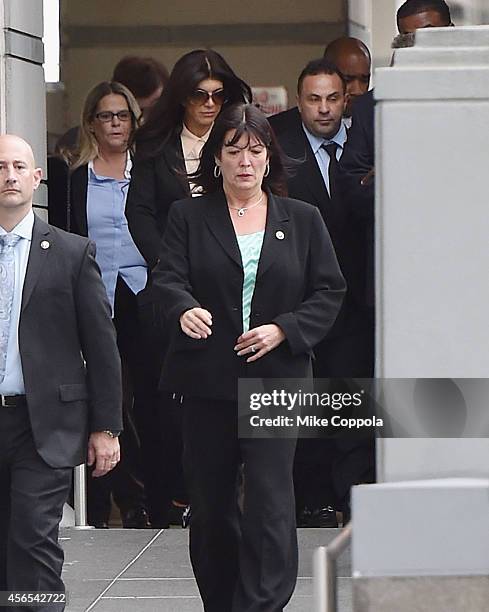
(155, 184)
(359, 157)
(357, 160)
(65, 320)
(346, 230)
(299, 286)
(307, 183)
(67, 195)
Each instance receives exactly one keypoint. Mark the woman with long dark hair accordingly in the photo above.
(249, 283)
(168, 145)
(168, 148)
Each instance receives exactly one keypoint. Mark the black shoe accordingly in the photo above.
(303, 517)
(136, 518)
(324, 517)
(175, 514)
(99, 524)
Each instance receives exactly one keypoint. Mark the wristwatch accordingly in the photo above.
(112, 434)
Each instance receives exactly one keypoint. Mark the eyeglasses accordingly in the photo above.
(200, 96)
(106, 116)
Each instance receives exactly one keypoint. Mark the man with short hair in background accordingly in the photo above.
(352, 57)
(315, 132)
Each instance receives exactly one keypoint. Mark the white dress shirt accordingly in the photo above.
(13, 383)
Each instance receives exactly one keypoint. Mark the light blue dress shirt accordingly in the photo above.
(13, 383)
(321, 155)
(107, 227)
(250, 247)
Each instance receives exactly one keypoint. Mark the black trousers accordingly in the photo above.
(158, 417)
(242, 561)
(326, 469)
(124, 482)
(32, 495)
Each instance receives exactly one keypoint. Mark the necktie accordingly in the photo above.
(7, 287)
(333, 170)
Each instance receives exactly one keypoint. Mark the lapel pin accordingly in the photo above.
(45, 244)
(279, 235)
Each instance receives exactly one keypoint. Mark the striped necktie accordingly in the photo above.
(7, 288)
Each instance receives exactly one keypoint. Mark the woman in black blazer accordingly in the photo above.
(167, 150)
(200, 85)
(98, 175)
(249, 283)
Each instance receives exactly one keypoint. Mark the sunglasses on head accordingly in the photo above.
(200, 96)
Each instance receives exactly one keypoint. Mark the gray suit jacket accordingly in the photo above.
(68, 349)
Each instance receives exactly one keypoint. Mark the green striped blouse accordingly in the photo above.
(250, 247)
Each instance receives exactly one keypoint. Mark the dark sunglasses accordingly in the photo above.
(200, 96)
(106, 116)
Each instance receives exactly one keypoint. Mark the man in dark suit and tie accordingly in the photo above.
(316, 133)
(59, 378)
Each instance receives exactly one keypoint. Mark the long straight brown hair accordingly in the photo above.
(166, 116)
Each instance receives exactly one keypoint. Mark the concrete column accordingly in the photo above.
(432, 226)
(374, 22)
(22, 87)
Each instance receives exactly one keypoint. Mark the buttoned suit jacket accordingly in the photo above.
(68, 350)
(347, 232)
(299, 286)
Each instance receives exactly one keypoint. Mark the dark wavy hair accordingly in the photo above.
(249, 120)
(166, 115)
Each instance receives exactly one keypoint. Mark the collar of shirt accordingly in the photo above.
(23, 228)
(192, 144)
(317, 141)
(127, 170)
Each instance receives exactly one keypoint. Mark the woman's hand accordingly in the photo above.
(259, 341)
(196, 323)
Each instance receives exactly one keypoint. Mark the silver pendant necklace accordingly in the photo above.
(242, 209)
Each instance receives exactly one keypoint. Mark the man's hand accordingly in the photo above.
(196, 323)
(259, 341)
(103, 451)
(368, 177)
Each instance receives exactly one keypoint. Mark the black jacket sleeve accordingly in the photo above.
(309, 323)
(141, 210)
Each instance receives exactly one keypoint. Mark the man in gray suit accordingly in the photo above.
(60, 390)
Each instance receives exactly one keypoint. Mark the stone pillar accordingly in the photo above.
(22, 87)
(432, 160)
(374, 22)
(417, 543)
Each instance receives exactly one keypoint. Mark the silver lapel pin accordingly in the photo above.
(45, 244)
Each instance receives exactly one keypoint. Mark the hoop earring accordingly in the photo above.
(217, 171)
(267, 169)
